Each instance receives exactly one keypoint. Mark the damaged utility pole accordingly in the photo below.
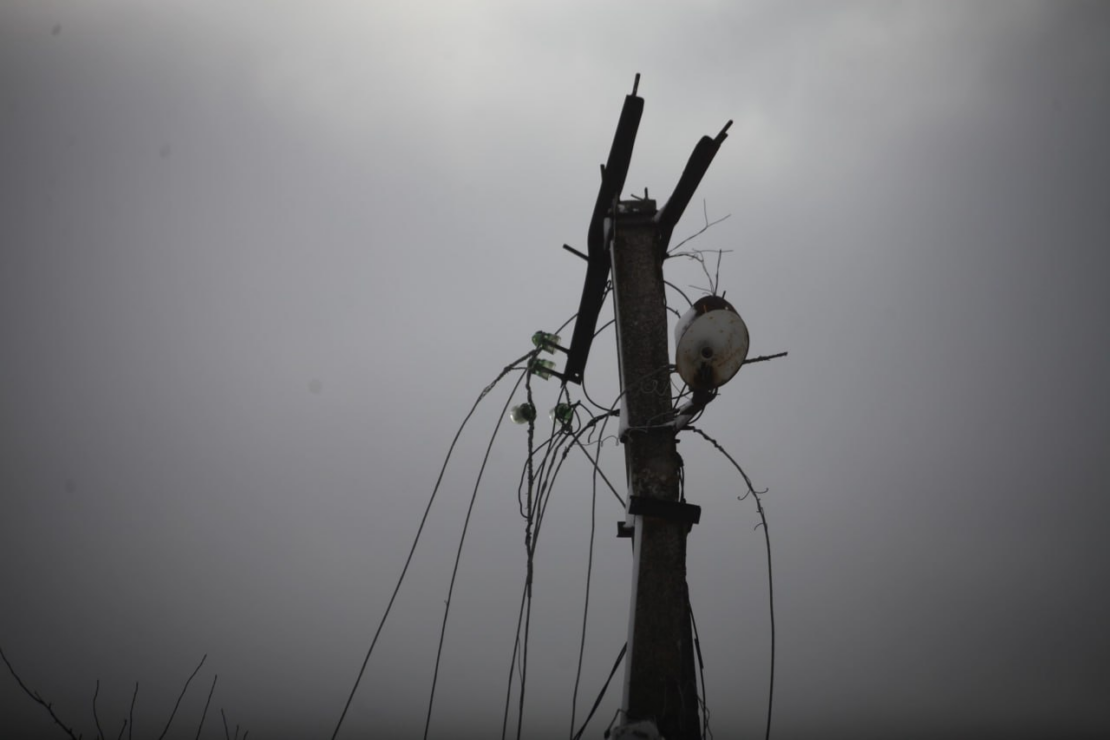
(660, 683)
(630, 238)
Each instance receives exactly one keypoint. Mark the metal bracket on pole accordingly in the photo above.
(695, 170)
(674, 511)
(613, 174)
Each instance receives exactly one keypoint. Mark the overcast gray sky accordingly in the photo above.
(259, 258)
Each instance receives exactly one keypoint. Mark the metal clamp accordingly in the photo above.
(674, 511)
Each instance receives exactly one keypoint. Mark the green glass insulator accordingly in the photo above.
(523, 413)
(546, 341)
(541, 367)
(563, 412)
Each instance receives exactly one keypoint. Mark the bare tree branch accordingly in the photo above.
(698, 255)
(129, 723)
(96, 720)
(672, 285)
(227, 735)
(764, 358)
(717, 272)
(699, 232)
(131, 716)
(181, 696)
(206, 703)
(35, 695)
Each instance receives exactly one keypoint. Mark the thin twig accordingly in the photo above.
(764, 358)
(698, 255)
(227, 733)
(182, 696)
(35, 695)
(699, 232)
(96, 720)
(121, 729)
(131, 716)
(680, 292)
(717, 273)
(206, 703)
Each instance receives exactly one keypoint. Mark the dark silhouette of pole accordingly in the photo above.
(629, 239)
(660, 682)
